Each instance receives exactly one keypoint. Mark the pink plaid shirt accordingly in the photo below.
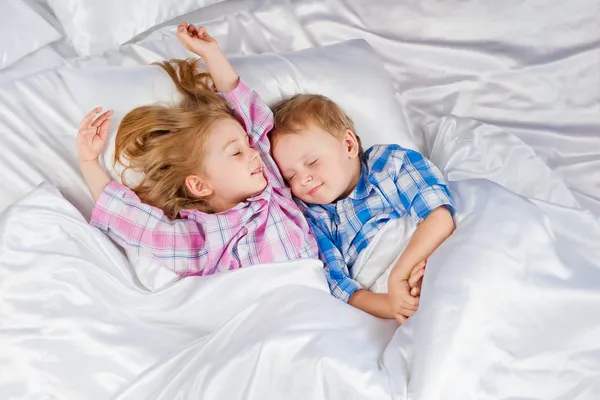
(268, 227)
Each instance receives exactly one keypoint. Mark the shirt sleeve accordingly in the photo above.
(336, 270)
(257, 119)
(420, 185)
(178, 244)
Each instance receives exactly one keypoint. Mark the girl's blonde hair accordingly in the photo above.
(167, 144)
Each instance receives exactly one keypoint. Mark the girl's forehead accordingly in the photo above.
(225, 131)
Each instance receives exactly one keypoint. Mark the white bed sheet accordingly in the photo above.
(510, 309)
(531, 67)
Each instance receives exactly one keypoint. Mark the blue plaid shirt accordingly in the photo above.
(394, 182)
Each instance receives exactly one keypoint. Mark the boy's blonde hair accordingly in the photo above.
(167, 144)
(297, 112)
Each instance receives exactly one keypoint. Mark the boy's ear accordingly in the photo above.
(351, 143)
(197, 186)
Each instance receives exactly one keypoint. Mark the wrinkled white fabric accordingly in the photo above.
(94, 27)
(39, 60)
(373, 265)
(509, 302)
(528, 67)
(39, 117)
(16, 42)
(76, 324)
(324, 70)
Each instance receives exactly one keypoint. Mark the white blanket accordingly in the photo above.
(510, 305)
(510, 309)
(76, 324)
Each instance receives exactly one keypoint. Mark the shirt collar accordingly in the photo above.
(264, 195)
(364, 186)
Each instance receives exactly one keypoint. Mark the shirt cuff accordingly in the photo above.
(101, 214)
(428, 199)
(345, 288)
(236, 96)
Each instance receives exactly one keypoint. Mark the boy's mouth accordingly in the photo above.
(314, 190)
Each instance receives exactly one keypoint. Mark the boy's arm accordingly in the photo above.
(340, 283)
(430, 233)
(376, 304)
(334, 266)
(425, 197)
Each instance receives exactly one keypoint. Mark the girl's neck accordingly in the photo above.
(219, 205)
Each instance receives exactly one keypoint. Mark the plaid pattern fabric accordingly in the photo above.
(394, 182)
(268, 227)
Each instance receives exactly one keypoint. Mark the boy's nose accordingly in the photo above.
(306, 179)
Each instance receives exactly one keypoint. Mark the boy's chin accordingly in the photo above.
(313, 200)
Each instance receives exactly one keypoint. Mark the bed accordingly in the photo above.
(503, 97)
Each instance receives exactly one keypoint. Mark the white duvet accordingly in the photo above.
(510, 310)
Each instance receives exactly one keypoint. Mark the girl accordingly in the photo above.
(212, 198)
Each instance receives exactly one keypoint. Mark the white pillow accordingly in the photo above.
(95, 26)
(350, 73)
(23, 32)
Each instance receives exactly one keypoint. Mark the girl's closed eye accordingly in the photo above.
(312, 162)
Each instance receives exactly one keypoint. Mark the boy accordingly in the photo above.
(348, 195)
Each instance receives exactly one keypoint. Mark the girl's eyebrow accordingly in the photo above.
(230, 142)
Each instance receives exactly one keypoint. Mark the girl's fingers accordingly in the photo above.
(203, 34)
(85, 122)
(97, 143)
(415, 276)
(400, 318)
(86, 132)
(103, 129)
(192, 29)
(98, 121)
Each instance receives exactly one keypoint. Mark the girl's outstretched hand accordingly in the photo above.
(196, 40)
(415, 280)
(92, 135)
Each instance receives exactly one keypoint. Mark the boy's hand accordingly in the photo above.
(92, 135)
(403, 304)
(196, 40)
(415, 280)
